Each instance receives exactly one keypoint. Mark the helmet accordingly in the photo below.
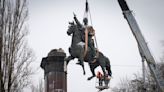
(85, 20)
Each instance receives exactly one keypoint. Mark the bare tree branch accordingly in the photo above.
(15, 55)
(39, 87)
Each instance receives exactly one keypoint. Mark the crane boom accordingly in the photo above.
(142, 45)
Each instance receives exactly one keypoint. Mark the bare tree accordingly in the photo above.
(123, 86)
(162, 42)
(161, 65)
(39, 87)
(138, 85)
(15, 55)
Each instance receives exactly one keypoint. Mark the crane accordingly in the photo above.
(142, 45)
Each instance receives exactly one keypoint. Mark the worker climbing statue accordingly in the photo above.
(77, 51)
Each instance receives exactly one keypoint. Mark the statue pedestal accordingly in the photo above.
(55, 71)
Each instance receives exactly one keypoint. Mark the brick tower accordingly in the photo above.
(55, 71)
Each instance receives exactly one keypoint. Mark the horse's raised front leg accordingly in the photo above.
(82, 65)
(83, 69)
(81, 62)
(67, 59)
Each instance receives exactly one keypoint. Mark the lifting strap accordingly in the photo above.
(86, 42)
(86, 29)
(87, 11)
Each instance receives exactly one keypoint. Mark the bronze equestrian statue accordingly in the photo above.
(77, 51)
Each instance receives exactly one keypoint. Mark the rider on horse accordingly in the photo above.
(89, 32)
(77, 51)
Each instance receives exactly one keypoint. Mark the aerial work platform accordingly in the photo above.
(102, 84)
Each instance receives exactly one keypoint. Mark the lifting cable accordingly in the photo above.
(87, 11)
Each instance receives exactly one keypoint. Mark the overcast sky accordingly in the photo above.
(48, 23)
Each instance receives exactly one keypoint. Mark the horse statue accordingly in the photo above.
(77, 51)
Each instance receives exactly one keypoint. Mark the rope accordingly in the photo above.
(86, 10)
(86, 15)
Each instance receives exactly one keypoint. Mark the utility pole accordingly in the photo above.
(143, 48)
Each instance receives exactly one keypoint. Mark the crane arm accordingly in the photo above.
(143, 48)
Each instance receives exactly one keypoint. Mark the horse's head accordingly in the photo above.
(71, 28)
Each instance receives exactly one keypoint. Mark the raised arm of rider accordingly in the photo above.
(77, 21)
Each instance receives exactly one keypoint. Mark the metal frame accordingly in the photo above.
(142, 45)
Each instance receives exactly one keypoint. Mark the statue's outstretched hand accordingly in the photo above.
(74, 14)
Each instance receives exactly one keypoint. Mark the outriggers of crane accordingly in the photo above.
(142, 45)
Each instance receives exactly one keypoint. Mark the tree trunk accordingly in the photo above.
(15, 56)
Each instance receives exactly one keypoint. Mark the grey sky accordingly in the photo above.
(48, 23)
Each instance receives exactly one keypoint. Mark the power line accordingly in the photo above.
(115, 65)
(126, 66)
